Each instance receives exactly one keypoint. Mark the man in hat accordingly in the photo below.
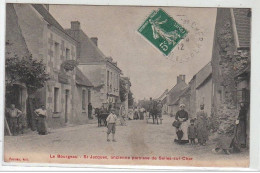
(14, 113)
(111, 125)
(202, 125)
(182, 116)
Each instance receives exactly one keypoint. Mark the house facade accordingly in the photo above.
(48, 41)
(102, 71)
(204, 89)
(173, 95)
(82, 97)
(15, 45)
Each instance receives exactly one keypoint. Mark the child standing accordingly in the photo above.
(111, 125)
(192, 132)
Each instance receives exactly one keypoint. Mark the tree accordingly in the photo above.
(30, 72)
(26, 70)
(130, 98)
(122, 90)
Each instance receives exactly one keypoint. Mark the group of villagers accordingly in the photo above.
(188, 130)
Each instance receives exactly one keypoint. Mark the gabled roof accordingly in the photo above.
(175, 92)
(164, 94)
(178, 95)
(242, 21)
(49, 18)
(203, 74)
(89, 52)
(15, 42)
(81, 79)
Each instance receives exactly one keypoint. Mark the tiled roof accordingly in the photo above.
(81, 79)
(48, 17)
(203, 74)
(15, 43)
(89, 52)
(178, 94)
(164, 94)
(242, 23)
(175, 92)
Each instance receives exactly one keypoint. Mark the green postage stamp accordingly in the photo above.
(162, 31)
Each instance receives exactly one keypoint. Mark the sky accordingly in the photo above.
(150, 72)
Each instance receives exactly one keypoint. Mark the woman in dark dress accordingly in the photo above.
(182, 116)
(136, 116)
(202, 126)
(241, 126)
(41, 118)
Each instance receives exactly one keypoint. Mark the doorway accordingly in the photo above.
(66, 104)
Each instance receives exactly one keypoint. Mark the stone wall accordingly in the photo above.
(225, 60)
(204, 96)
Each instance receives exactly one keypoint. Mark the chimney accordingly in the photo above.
(75, 25)
(95, 40)
(180, 78)
(46, 6)
(110, 59)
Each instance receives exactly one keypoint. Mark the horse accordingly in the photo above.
(101, 116)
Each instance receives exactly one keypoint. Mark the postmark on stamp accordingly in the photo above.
(162, 31)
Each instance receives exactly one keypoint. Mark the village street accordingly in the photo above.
(136, 139)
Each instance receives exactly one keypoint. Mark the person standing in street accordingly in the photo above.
(90, 111)
(111, 125)
(241, 126)
(202, 126)
(182, 117)
(122, 115)
(150, 107)
(159, 109)
(142, 110)
(41, 117)
(14, 113)
(192, 132)
(136, 116)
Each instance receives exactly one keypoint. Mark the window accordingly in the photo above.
(111, 80)
(83, 100)
(56, 99)
(56, 50)
(67, 53)
(89, 96)
(107, 78)
(56, 54)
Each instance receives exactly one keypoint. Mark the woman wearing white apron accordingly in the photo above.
(182, 116)
(130, 114)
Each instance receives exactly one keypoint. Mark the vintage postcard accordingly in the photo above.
(127, 85)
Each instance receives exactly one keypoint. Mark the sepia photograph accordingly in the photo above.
(127, 85)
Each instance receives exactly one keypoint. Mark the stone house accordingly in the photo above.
(197, 92)
(15, 45)
(47, 40)
(82, 97)
(230, 65)
(174, 93)
(204, 88)
(102, 71)
(184, 98)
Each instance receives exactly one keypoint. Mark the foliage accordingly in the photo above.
(144, 103)
(26, 70)
(122, 90)
(69, 65)
(130, 99)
